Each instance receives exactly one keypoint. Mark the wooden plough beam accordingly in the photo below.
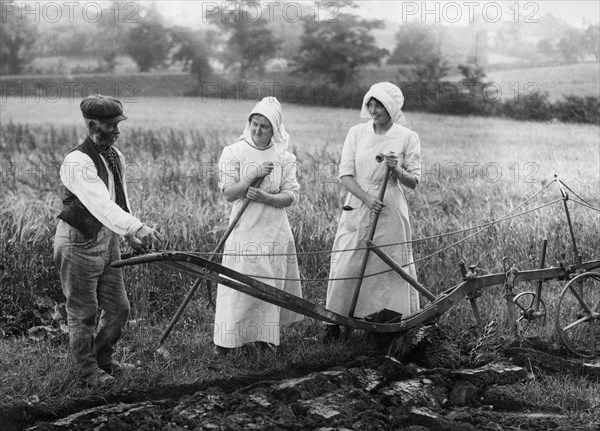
(201, 267)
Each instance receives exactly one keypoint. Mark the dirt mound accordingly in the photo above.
(371, 393)
(447, 390)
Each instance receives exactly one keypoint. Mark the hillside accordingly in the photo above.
(579, 79)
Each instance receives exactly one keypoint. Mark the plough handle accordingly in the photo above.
(256, 183)
(177, 315)
(363, 266)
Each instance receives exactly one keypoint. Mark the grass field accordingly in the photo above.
(475, 171)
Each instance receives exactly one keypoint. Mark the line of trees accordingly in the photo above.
(576, 44)
(334, 50)
(16, 41)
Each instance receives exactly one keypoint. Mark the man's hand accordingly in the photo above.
(135, 244)
(149, 238)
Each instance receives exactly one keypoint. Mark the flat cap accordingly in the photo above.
(102, 108)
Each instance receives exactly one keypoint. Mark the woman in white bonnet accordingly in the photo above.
(362, 175)
(263, 229)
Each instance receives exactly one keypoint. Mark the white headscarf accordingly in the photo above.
(270, 108)
(391, 98)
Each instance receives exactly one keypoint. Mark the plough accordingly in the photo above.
(577, 315)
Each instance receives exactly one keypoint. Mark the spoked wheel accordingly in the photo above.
(578, 315)
(528, 315)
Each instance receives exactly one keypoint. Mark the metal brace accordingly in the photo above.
(509, 295)
(472, 274)
(472, 296)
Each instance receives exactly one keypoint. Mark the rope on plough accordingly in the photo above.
(484, 226)
(247, 284)
(504, 218)
(586, 205)
(580, 198)
(480, 228)
(456, 232)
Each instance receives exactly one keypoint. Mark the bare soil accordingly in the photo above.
(378, 392)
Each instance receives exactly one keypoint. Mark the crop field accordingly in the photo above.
(475, 170)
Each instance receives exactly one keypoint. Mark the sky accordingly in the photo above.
(574, 12)
(580, 14)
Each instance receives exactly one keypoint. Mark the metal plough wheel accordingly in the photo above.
(578, 315)
(526, 303)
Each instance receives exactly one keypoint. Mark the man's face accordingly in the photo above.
(105, 133)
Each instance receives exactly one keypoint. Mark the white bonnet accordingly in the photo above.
(391, 98)
(270, 108)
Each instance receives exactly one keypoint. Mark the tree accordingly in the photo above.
(476, 98)
(107, 39)
(148, 44)
(546, 47)
(416, 43)
(433, 70)
(570, 45)
(336, 50)
(472, 73)
(250, 42)
(102, 39)
(16, 39)
(190, 49)
(591, 40)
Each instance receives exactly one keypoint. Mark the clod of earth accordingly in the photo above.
(349, 397)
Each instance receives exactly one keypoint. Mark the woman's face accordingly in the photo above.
(260, 130)
(379, 114)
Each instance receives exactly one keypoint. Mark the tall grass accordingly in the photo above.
(474, 171)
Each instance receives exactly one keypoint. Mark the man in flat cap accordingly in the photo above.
(95, 214)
